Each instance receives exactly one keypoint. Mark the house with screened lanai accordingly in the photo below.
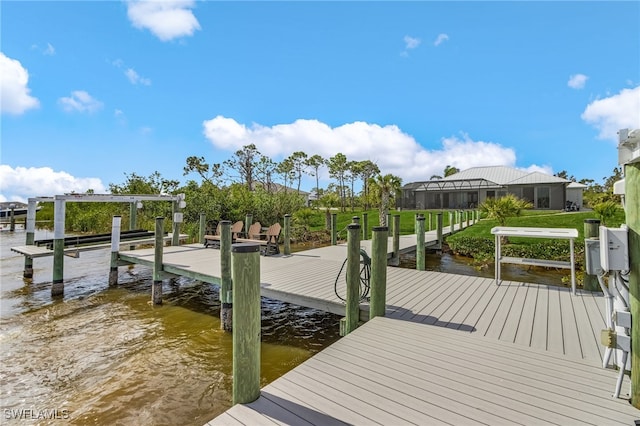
(468, 188)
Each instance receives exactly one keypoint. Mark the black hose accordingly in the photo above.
(365, 278)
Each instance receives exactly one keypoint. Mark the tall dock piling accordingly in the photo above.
(287, 234)
(133, 218)
(334, 226)
(245, 271)
(248, 221)
(439, 232)
(451, 223)
(420, 249)
(115, 248)
(395, 260)
(378, 301)
(12, 217)
(350, 322)
(591, 230)
(31, 236)
(632, 202)
(57, 288)
(156, 286)
(365, 226)
(202, 227)
(226, 282)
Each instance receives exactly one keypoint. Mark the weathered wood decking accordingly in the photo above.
(453, 349)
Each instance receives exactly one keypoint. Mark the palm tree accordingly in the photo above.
(386, 187)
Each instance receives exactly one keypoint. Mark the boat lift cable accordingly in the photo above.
(365, 277)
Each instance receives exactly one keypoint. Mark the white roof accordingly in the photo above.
(499, 174)
(503, 175)
(576, 185)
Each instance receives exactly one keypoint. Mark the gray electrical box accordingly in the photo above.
(592, 256)
(614, 248)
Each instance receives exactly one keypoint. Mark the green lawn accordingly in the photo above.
(529, 218)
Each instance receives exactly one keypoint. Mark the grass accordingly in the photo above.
(558, 219)
(529, 218)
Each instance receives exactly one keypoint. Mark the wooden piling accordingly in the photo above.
(429, 228)
(460, 220)
(420, 249)
(226, 282)
(30, 239)
(451, 223)
(352, 312)
(177, 219)
(245, 270)
(389, 223)
(133, 219)
(632, 202)
(287, 234)
(202, 230)
(365, 226)
(439, 231)
(395, 259)
(115, 248)
(248, 221)
(12, 217)
(378, 301)
(591, 230)
(334, 231)
(156, 286)
(57, 287)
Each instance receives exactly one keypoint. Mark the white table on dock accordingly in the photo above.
(554, 233)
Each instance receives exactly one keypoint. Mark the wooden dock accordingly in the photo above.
(453, 349)
(394, 372)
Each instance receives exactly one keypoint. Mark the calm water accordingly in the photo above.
(106, 356)
(453, 264)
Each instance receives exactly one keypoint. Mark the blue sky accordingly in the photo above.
(94, 91)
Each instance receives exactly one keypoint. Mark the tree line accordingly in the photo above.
(247, 182)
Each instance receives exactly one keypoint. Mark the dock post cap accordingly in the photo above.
(224, 222)
(245, 248)
(592, 221)
(380, 228)
(353, 226)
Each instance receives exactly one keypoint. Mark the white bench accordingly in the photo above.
(554, 233)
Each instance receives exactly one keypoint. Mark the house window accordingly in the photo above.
(527, 194)
(491, 194)
(543, 197)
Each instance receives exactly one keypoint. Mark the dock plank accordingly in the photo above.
(555, 341)
(404, 368)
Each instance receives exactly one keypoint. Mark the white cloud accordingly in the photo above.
(577, 81)
(21, 183)
(80, 101)
(167, 19)
(14, 93)
(440, 39)
(49, 50)
(388, 146)
(616, 112)
(411, 42)
(135, 78)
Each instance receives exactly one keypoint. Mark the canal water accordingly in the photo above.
(106, 356)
